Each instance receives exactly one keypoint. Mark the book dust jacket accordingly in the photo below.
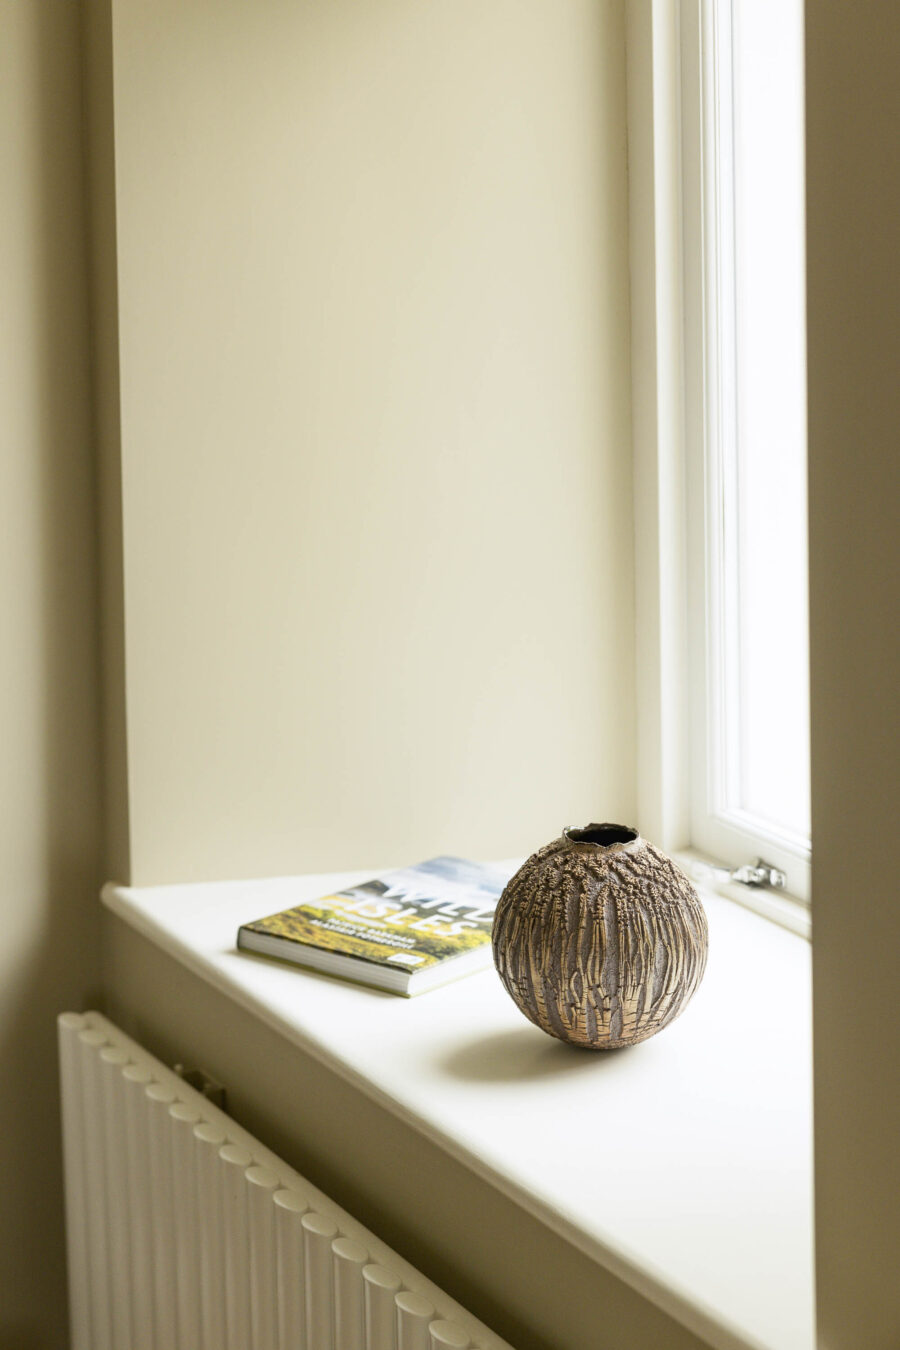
(413, 918)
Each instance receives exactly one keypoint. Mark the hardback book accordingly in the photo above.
(406, 931)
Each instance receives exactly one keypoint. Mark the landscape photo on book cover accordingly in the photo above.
(415, 917)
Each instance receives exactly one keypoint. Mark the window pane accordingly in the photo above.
(769, 471)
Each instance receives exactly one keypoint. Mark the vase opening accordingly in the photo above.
(604, 835)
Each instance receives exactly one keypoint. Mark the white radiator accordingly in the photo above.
(185, 1233)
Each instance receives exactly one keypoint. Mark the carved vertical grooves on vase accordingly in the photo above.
(600, 944)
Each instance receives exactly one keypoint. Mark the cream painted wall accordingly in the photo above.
(49, 807)
(853, 214)
(375, 440)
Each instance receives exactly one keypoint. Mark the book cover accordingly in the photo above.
(408, 923)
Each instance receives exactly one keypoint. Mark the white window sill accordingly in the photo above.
(683, 1165)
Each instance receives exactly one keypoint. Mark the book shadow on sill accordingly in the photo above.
(522, 1054)
(307, 972)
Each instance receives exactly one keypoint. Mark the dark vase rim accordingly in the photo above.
(605, 835)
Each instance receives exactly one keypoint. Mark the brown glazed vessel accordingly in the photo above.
(599, 938)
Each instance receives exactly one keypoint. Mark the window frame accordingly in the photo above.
(673, 209)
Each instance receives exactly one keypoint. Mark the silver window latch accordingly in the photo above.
(756, 874)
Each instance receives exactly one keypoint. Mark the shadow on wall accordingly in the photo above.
(49, 725)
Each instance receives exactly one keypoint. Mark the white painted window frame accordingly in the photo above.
(672, 210)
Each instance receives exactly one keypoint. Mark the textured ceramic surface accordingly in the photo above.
(599, 938)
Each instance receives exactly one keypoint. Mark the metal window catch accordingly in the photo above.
(757, 874)
(760, 873)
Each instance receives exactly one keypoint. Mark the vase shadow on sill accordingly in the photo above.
(524, 1054)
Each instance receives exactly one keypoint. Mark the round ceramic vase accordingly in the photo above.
(599, 938)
